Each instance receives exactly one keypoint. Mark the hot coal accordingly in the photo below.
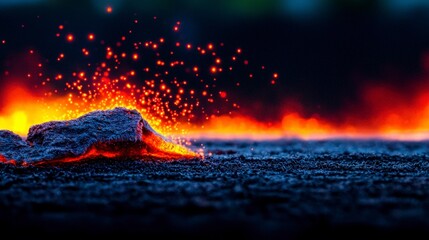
(112, 133)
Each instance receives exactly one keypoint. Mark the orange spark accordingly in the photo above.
(91, 37)
(70, 37)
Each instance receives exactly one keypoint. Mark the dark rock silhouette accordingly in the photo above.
(112, 133)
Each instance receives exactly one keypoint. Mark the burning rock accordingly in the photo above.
(112, 133)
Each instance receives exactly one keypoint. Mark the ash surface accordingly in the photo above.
(278, 190)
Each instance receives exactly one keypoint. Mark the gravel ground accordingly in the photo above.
(281, 189)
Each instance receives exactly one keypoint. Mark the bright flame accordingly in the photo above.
(26, 110)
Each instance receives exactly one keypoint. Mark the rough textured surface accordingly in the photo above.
(268, 190)
(112, 132)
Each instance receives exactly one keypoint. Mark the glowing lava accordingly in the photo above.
(118, 133)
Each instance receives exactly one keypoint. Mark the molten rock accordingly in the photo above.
(112, 133)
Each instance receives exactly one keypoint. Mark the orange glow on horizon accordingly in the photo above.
(383, 113)
(404, 122)
(294, 126)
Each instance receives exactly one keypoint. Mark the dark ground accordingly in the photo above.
(284, 189)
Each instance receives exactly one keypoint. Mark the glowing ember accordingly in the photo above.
(109, 9)
(91, 37)
(70, 38)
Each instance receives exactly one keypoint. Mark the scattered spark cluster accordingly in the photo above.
(154, 76)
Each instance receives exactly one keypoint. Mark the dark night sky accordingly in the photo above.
(323, 52)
